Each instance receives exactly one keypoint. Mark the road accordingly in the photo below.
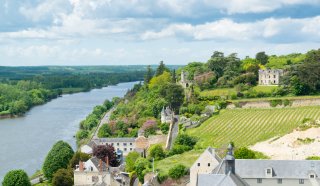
(105, 119)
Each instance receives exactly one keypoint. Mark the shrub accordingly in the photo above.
(184, 139)
(164, 128)
(287, 102)
(313, 158)
(178, 149)
(244, 153)
(63, 177)
(275, 102)
(156, 152)
(16, 178)
(82, 134)
(104, 131)
(177, 171)
(162, 177)
(57, 158)
(78, 156)
(130, 160)
(142, 166)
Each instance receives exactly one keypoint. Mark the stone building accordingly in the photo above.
(210, 170)
(185, 83)
(270, 76)
(166, 115)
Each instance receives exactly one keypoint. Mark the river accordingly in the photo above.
(25, 141)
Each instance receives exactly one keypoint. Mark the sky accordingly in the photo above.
(127, 32)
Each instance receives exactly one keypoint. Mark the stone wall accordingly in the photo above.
(266, 104)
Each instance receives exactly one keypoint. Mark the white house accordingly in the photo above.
(166, 115)
(270, 76)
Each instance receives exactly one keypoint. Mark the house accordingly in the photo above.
(270, 76)
(122, 146)
(166, 115)
(230, 171)
(97, 172)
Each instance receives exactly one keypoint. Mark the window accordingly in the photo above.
(259, 180)
(274, 81)
(124, 144)
(118, 149)
(118, 144)
(208, 164)
(268, 171)
(130, 143)
(112, 144)
(279, 181)
(301, 181)
(312, 176)
(95, 178)
(130, 149)
(198, 164)
(274, 76)
(125, 149)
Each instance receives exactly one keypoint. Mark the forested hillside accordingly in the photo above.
(23, 87)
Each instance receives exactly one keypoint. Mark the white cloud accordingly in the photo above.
(228, 30)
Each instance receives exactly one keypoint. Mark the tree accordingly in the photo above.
(174, 95)
(148, 75)
(16, 178)
(184, 139)
(57, 158)
(142, 166)
(217, 63)
(244, 153)
(130, 160)
(78, 156)
(156, 152)
(174, 79)
(104, 151)
(161, 80)
(262, 58)
(161, 69)
(104, 131)
(63, 177)
(177, 171)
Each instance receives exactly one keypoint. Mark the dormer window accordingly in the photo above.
(269, 172)
(312, 176)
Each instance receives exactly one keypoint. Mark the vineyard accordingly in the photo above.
(247, 126)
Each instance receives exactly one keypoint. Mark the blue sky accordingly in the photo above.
(122, 32)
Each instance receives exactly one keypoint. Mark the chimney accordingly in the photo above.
(107, 162)
(81, 168)
(230, 161)
(100, 165)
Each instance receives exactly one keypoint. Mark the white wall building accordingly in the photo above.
(270, 76)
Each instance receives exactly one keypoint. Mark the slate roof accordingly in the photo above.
(92, 144)
(219, 180)
(96, 162)
(294, 169)
(114, 140)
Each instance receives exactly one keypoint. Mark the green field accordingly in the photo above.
(219, 92)
(266, 89)
(247, 126)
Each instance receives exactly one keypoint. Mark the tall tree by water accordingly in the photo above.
(148, 75)
(161, 68)
(16, 178)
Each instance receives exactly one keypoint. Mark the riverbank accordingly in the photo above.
(25, 141)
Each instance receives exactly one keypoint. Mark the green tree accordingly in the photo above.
(130, 160)
(148, 76)
(156, 152)
(174, 78)
(16, 178)
(142, 166)
(63, 177)
(78, 156)
(262, 58)
(57, 158)
(177, 171)
(184, 139)
(217, 63)
(104, 131)
(161, 69)
(244, 153)
(174, 95)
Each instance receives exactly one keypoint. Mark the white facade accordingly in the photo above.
(166, 115)
(270, 77)
(205, 164)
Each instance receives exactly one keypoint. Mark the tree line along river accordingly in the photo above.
(25, 141)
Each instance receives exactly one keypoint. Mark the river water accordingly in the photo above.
(25, 141)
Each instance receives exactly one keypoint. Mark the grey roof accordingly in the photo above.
(92, 144)
(96, 162)
(219, 180)
(114, 140)
(297, 169)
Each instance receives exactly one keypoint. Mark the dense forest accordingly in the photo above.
(23, 87)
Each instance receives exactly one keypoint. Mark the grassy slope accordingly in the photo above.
(187, 159)
(248, 126)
